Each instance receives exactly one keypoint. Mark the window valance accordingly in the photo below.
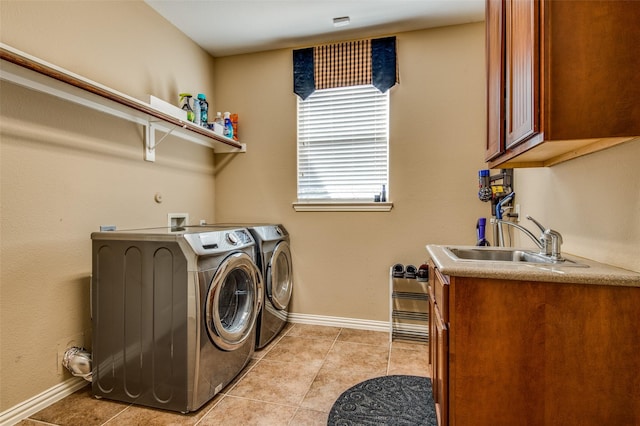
(352, 63)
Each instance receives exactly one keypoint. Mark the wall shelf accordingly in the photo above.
(33, 73)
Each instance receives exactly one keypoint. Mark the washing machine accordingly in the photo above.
(273, 256)
(174, 313)
(273, 253)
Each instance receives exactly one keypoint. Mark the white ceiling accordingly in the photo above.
(230, 27)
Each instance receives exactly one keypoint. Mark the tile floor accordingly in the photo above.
(319, 364)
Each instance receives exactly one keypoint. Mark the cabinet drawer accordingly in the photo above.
(441, 294)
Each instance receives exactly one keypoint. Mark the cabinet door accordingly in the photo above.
(432, 333)
(495, 78)
(522, 70)
(431, 336)
(441, 383)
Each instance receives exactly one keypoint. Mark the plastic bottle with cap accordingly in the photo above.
(204, 109)
(218, 124)
(197, 115)
(228, 126)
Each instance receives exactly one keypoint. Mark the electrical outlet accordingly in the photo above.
(63, 345)
(517, 212)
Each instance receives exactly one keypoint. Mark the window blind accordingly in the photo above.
(343, 144)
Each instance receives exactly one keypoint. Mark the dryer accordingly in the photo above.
(174, 313)
(274, 259)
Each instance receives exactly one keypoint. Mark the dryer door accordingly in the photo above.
(233, 301)
(280, 276)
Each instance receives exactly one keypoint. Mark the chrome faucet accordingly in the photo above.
(549, 241)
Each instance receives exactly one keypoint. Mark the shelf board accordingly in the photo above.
(22, 69)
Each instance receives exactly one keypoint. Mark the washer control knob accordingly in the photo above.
(233, 238)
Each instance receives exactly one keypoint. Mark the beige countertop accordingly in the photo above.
(595, 273)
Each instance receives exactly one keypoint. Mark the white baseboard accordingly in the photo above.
(31, 406)
(339, 322)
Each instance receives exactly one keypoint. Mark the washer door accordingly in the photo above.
(280, 276)
(233, 301)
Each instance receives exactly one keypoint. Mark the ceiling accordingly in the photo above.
(231, 27)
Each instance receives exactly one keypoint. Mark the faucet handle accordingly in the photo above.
(542, 228)
(556, 243)
(554, 234)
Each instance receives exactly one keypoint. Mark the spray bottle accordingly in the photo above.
(185, 100)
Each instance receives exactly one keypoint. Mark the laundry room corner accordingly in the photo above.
(341, 259)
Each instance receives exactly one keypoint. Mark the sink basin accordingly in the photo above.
(484, 254)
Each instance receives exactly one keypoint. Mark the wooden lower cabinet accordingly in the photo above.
(438, 347)
(535, 353)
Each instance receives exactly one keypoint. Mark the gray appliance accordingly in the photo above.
(173, 313)
(274, 259)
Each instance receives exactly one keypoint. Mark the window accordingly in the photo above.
(343, 145)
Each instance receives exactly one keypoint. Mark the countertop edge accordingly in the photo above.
(596, 274)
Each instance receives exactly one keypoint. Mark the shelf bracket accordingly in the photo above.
(150, 143)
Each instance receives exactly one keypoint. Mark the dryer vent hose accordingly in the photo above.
(78, 362)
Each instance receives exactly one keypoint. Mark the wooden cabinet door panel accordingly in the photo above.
(495, 78)
(593, 345)
(522, 70)
(432, 337)
(441, 291)
(433, 341)
(442, 369)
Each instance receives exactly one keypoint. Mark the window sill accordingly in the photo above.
(342, 206)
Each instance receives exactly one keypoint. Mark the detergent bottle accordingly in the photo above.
(228, 125)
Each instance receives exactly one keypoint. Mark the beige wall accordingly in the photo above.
(66, 170)
(342, 260)
(125, 45)
(594, 201)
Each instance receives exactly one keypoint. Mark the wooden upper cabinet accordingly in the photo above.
(562, 79)
(522, 71)
(495, 78)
